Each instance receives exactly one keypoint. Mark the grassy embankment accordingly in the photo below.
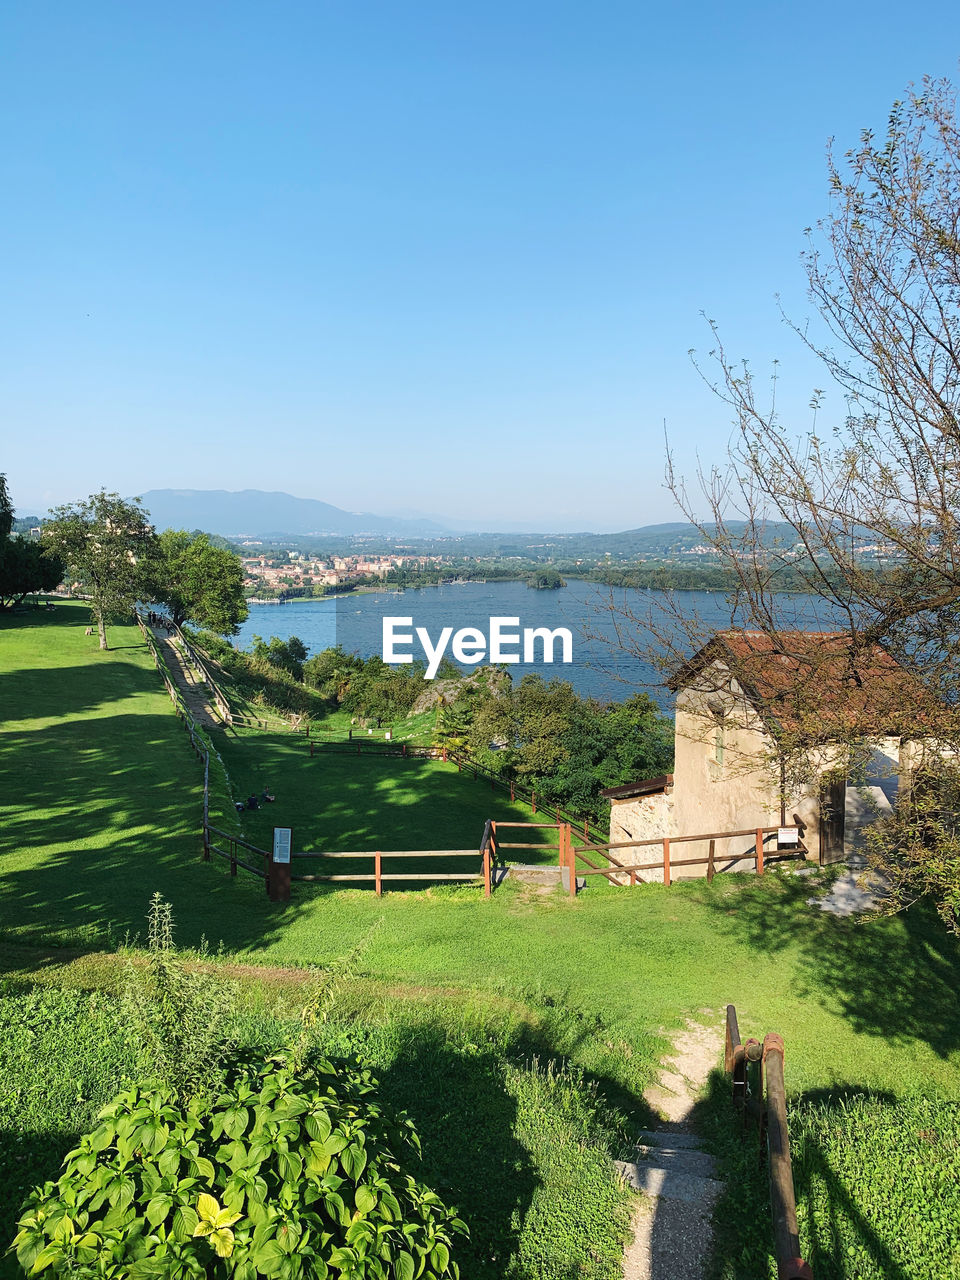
(102, 807)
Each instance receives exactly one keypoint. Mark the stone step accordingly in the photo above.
(669, 1184)
(668, 1138)
(683, 1159)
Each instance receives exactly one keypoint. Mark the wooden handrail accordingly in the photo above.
(783, 1204)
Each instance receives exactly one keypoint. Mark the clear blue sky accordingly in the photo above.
(441, 257)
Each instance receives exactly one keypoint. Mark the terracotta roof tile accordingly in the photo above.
(817, 684)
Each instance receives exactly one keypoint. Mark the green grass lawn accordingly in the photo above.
(101, 807)
(340, 800)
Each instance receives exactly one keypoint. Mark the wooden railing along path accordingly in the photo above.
(760, 1098)
(260, 862)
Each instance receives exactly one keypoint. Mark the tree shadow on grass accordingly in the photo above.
(826, 1201)
(26, 1160)
(894, 977)
(466, 1120)
(34, 693)
(98, 815)
(475, 1154)
(335, 802)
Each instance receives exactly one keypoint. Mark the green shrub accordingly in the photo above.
(176, 1014)
(288, 1172)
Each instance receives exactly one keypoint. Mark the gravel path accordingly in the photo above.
(672, 1225)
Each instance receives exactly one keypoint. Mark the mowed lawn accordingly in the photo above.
(340, 801)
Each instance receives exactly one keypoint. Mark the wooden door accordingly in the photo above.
(833, 800)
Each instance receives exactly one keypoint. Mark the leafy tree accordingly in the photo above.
(567, 748)
(330, 672)
(107, 543)
(545, 580)
(24, 566)
(199, 580)
(287, 655)
(879, 484)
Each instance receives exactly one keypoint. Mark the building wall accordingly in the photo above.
(725, 778)
(642, 818)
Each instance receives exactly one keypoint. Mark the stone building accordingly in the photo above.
(764, 737)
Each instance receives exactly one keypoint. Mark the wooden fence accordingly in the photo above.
(378, 877)
(621, 872)
(239, 852)
(759, 1096)
(668, 863)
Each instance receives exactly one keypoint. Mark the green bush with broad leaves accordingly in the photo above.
(289, 1171)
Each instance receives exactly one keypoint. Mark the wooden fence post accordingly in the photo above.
(533, 801)
(378, 872)
(233, 857)
(759, 851)
(486, 870)
(666, 860)
(710, 867)
(511, 792)
(572, 858)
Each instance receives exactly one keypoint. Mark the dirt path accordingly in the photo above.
(672, 1225)
(188, 680)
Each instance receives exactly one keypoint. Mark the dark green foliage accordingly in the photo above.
(287, 655)
(198, 581)
(367, 687)
(260, 681)
(289, 1171)
(25, 566)
(568, 748)
(545, 580)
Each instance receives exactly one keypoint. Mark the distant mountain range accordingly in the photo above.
(254, 512)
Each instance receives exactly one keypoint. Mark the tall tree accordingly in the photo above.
(25, 566)
(873, 500)
(107, 544)
(199, 581)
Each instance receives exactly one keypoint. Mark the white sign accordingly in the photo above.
(282, 840)
(788, 836)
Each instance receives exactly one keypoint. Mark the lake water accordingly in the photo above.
(593, 614)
